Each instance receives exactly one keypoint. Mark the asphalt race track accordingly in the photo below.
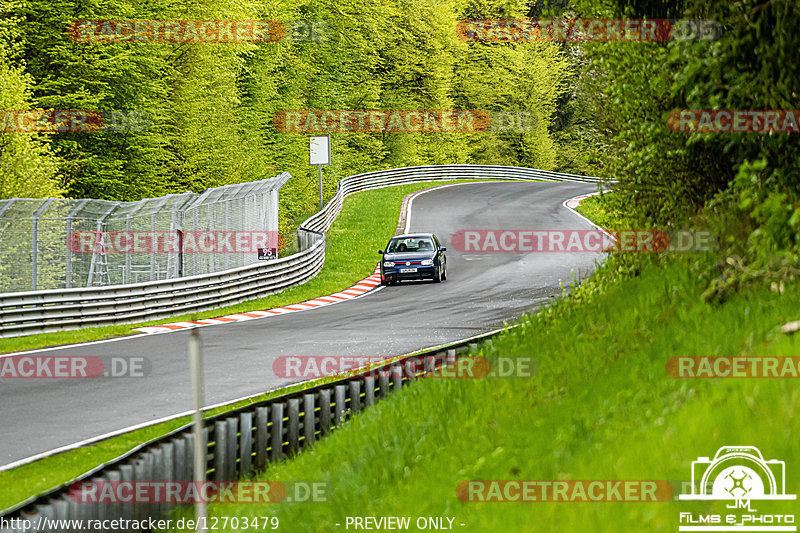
(481, 292)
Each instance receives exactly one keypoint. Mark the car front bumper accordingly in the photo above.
(393, 273)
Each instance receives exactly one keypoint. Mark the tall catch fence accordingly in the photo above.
(52, 243)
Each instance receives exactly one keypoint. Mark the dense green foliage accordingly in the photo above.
(27, 167)
(212, 104)
(744, 185)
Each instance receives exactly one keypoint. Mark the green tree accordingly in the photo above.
(28, 169)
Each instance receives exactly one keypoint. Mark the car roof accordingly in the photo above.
(406, 235)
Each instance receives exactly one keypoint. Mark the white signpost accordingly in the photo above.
(319, 154)
(200, 447)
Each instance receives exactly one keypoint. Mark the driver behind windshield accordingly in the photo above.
(410, 245)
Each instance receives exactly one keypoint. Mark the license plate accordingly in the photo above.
(407, 270)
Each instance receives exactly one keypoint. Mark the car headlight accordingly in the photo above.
(427, 262)
(388, 263)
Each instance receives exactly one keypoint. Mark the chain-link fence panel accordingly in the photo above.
(53, 243)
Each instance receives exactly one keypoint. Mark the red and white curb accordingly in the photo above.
(573, 203)
(359, 289)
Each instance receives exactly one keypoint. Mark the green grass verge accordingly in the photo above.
(600, 407)
(604, 211)
(366, 222)
(30, 479)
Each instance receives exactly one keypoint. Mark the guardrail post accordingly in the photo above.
(397, 372)
(231, 448)
(309, 420)
(338, 413)
(157, 474)
(355, 396)
(114, 511)
(245, 443)
(61, 508)
(383, 383)
(127, 510)
(262, 433)
(410, 368)
(220, 442)
(430, 364)
(324, 411)
(277, 432)
(138, 477)
(206, 459)
(79, 512)
(84, 511)
(99, 510)
(149, 465)
(168, 463)
(184, 457)
(369, 391)
(294, 425)
(45, 511)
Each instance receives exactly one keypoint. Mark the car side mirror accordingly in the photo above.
(442, 249)
(380, 252)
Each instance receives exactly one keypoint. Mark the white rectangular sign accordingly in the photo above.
(319, 150)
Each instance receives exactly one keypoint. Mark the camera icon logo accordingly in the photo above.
(738, 473)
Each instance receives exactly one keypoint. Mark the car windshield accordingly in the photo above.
(410, 244)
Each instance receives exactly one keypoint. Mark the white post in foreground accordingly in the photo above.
(319, 153)
(196, 369)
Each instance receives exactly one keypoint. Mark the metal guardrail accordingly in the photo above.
(322, 221)
(25, 313)
(240, 441)
(47, 311)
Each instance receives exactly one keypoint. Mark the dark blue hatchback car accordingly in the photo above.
(413, 256)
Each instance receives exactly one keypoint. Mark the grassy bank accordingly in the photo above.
(603, 210)
(600, 407)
